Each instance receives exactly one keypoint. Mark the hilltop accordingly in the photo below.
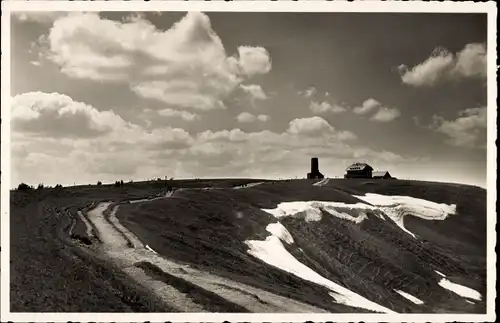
(240, 245)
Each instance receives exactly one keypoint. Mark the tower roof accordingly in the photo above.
(358, 166)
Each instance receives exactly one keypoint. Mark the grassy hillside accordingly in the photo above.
(207, 229)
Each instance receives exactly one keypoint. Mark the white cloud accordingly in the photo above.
(325, 107)
(51, 131)
(367, 106)
(128, 151)
(38, 16)
(254, 60)
(385, 114)
(255, 91)
(470, 62)
(54, 114)
(246, 117)
(263, 117)
(184, 115)
(382, 114)
(468, 130)
(308, 92)
(185, 66)
(309, 126)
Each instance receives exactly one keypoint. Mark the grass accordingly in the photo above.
(54, 266)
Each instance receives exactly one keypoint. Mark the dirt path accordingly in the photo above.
(247, 185)
(126, 250)
(322, 182)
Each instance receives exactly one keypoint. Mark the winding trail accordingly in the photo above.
(247, 185)
(322, 182)
(126, 250)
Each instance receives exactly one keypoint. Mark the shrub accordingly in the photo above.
(58, 186)
(99, 183)
(40, 186)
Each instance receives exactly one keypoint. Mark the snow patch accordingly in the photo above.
(440, 274)
(312, 211)
(321, 182)
(409, 297)
(470, 302)
(149, 248)
(278, 230)
(396, 207)
(460, 290)
(272, 252)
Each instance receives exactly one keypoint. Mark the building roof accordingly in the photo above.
(380, 173)
(358, 166)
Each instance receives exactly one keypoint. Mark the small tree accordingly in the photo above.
(99, 183)
(58, 186)
(40, 186)
(23, 187)
(121, 182)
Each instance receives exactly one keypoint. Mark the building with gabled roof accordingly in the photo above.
(359, 170)
(381, 175)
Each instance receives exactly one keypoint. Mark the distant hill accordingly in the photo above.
(239, 245)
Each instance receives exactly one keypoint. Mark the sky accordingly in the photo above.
(132, 96)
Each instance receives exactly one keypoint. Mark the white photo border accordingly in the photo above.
(250, 6)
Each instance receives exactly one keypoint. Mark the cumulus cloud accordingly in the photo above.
(184, 115)
(38, 16)
(128, 151)
(309, 126)
(309, 92)
(51, 131)
(185, 66)
(285, 153)
(325, 107)
(468, 130)
(254, 60)
(442, 65)
(263, 117)
(385, 114)
(255, 91)
(246, 117)
(55, 114)
(367, 106)
(382, 114)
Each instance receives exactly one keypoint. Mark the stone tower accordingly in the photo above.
(315, 174)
